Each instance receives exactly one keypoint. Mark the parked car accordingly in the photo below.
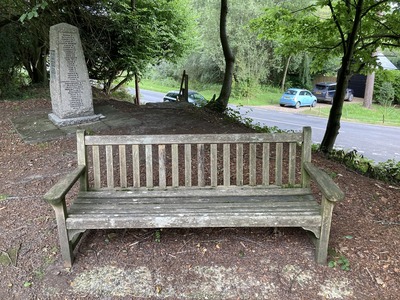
(194, 98)
(324, 91)
(298, 97)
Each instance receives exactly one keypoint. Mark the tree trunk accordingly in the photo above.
(285, 73)
(333, 125)
(221, 103)
(369, 90)
(137, 90)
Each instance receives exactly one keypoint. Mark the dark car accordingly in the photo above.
(324, 91)
(194, 97)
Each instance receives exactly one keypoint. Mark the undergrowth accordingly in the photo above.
(388, 171)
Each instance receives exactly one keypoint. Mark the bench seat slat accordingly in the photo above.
(293, 210)
(178, 204)
(196, 192)
(192, 221)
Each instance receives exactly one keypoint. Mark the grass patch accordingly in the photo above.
(354, 111)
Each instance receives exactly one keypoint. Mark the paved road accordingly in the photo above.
(378, 143)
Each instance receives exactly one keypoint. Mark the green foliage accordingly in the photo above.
(384, 77)
(338, 260)
(388, 171)
(33, 12)
(157, 236)
(385, 95)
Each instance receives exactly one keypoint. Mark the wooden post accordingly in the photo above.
(65, 245)
(81, 153)
(323, 241)
(306, 156)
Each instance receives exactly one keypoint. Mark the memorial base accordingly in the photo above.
(74, 121)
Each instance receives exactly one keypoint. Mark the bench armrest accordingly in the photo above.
(57, 193)
(325, 183)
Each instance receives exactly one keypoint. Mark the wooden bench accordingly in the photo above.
(211, 180)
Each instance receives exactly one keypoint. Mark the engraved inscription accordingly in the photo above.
(70, 81)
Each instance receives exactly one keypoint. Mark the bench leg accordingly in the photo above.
(65, 245)
(322, 242)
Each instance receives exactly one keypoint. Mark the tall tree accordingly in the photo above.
(220, 104)
(350, 29)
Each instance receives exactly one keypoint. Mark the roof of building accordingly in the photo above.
(385, 62)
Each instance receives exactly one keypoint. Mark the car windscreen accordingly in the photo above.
(290, 92)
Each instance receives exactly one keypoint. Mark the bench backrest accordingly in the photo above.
(205, 160)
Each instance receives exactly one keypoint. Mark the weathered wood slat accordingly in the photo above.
(149, 166)
(200, 165)
(239, 165)
(198, 192)
(275, 207)
(193, 139)
(136, 166)
(188, 165)
(96, 167)
(273, 200)
(162, 176)
(220, 220)
(175, 165)
(122, 166)
(265, 164)
(252, 164)
(227, 164)
(292, 163)
(214, 164)
(110, 166)
(279, 164)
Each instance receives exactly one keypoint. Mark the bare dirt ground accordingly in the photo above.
(227, 263)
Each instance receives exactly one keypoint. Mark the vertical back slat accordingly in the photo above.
(200, 165)
(292, 163)
(239, 164)
(214, 164)
(252, 164)
(110, 166)
(278, 166)
(135, 166)
(265, 164)
(96, 167)
(122, 166)
(149, 166)
(161, 167)
(188, 165)
(227, 164)
(175, 165)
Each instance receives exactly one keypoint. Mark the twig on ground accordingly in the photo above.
(384, 222)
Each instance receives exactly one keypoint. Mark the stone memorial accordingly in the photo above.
(71, 93)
